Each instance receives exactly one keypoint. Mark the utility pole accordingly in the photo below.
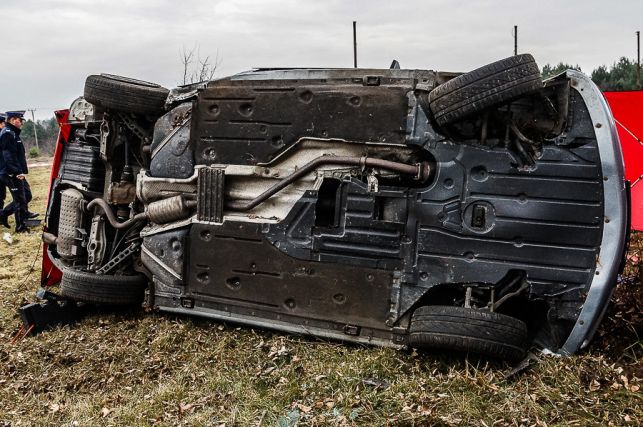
(355, 44)
(638, 60)
(515, 40)
(35, 128)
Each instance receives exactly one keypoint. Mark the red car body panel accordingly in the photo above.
(627, 108)
(50, 274)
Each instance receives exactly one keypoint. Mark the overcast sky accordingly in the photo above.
(51, 46)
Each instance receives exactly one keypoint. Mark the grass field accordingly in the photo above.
(149, 369)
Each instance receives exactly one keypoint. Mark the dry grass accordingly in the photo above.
(144, 369)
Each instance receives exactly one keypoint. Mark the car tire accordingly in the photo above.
(125, 95)
(494, 84)
(469, 330)
(103, 288)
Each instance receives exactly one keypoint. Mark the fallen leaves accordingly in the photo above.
(303, 408)
(186, 408)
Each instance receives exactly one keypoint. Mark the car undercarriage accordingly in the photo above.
(483, 212)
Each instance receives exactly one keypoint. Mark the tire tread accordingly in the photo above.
(488, 86)
(104, 289)
(124, 96)
(468, 330)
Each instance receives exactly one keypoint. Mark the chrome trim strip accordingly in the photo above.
(615, 213)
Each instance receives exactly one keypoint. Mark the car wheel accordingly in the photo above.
(103, 289)
(125, 94)
(494, 84)
(468, 330)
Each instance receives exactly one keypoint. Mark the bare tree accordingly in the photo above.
(195, 68)
(186, 59)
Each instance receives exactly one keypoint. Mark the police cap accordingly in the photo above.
(16, 114)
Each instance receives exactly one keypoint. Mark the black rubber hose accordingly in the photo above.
(110, 215)
(420, 171)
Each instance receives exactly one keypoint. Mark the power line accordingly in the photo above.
(35, 128)
(638, 60)
(515, 34)
(355, 44)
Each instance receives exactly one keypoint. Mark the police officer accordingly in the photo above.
(3, 188)
(13, 169)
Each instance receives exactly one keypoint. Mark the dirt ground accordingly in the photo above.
(135, 368)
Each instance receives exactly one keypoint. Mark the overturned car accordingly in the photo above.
(483, 212)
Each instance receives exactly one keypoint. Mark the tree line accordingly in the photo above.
(47, 135)
(621, 75)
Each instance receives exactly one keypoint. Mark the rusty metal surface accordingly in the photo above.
(121, 193)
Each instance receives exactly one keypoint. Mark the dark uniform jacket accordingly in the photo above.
(12, 152)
